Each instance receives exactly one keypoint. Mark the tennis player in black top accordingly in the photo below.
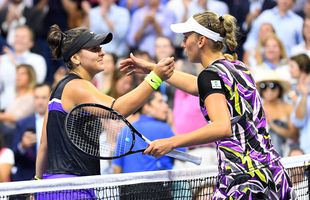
(83, 55)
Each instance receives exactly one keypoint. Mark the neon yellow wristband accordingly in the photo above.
(153, 80)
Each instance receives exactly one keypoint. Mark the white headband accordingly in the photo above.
(192, 25)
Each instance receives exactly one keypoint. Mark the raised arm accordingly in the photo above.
(180, 80)
(85, 92)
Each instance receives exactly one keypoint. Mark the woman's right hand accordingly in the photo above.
(164, 68)
(303, 84)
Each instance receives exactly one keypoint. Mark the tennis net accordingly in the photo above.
(186, 184)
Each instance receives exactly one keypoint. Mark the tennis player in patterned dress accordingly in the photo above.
(249, 166)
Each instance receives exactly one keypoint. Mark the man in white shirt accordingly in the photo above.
(279, 16)
(20, 54)
(28, 135)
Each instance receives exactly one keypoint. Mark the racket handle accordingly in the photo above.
(180, 155)
(184, 156)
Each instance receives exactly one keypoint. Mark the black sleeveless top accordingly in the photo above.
(63, 158)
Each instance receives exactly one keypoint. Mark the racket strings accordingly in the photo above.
(99, 132)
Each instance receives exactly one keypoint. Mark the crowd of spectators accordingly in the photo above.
(274, 43)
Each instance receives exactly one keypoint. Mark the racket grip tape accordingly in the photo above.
(184, 157)
(180, 155)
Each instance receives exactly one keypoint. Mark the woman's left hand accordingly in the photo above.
(160, 147)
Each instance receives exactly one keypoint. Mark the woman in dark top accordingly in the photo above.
(81, 51)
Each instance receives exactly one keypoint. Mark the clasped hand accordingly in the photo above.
(164, 68)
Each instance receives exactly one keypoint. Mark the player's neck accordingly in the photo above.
(82, 73)
(208, 59)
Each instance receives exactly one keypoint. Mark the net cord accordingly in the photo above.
(22, 187)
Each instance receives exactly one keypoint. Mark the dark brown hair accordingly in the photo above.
(59, 42)
(303, 62)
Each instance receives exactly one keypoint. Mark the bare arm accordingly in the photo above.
(291, 131)
(304, 88)
(5, 172)
(85, 92)
(181, 80)
(41, 162)
(134, 99)
(185, 82)
(302, 107)
(219, 128)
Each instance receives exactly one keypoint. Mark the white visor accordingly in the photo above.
(192, 25)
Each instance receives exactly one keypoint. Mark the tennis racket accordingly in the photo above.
(103, 133)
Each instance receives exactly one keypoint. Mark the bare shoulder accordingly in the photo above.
(79, 87)
(80, 91)
(288, 107)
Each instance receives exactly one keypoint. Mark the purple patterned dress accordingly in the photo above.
(249, 167)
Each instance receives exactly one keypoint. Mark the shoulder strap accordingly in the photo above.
(57, 91)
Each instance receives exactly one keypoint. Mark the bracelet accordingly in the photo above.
(154, 80)
(36, 178)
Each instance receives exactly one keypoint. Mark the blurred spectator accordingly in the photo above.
(298, 64)
(103, 80)
(25, 82)
(6, 161)
(109, 17)
(216, 6)
(280, 16)
(3, 43)
(147, 23)
(3, 4)
(145, 56)
(246, 11)
(182, 10)
(299, 6)
(303, 47)
(186, 106)
(164, 48)
(28, 134)
(132, 5)
(304, 11)
(20, 54)
(16, 14)
(77, 12)
(301, 115)
(56, 13)
(121, 84)
(59, 74)
(272, 88)
(295, 151)
(253, 53)
(273, 57)
(153, 126)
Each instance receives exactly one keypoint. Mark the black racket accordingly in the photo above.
(102, 133)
